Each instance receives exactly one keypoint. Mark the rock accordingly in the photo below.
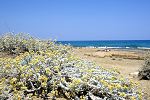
(134, 74)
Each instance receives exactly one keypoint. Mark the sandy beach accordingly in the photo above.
(127, 62)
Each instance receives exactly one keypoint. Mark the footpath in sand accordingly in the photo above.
(127, 62)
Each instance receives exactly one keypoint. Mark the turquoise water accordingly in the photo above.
(128, 44)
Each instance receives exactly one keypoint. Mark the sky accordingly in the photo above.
(77, 19)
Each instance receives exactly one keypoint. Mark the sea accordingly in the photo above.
(116, 44)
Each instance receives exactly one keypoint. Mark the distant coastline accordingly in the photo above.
(110, 44)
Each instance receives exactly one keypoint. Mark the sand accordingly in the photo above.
(127, 62)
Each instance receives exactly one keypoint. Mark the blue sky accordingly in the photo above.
(77, 19)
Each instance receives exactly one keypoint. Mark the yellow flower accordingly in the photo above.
(22, 68)
(56, 68)
(26, 53)
(37, 69)
(2, 80)
(20, 83)
(121, 79)
(43, 78)
(122, 94)
(76, 81)
(91, 70)
(24, 88)
(67, 94)
(118, 86)
(35, 61)
(59, 73)
(13, 80)
(104, 82)
(63, 79)
(125, 87)
(110, 87)
(30, 72)
(7, 65)
(53, 92)
(140, 96)
(113, 78)
(22, 75)
(44, 84)
(48, 71)
(133, 98)
(19, 97)
(1, 86)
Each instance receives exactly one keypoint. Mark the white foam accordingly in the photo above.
(127, 47)
(143, 48)
(90, 47)
(109, 47)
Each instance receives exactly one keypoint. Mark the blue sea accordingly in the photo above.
(125, 44)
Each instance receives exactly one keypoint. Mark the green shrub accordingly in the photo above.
(144, 73)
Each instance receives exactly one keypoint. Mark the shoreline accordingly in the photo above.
(116, 48)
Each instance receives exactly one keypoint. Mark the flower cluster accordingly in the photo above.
(54, 72)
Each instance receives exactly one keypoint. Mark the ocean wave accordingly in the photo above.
(90, 47)
(104, 47)
(108, 47)
(144, 48)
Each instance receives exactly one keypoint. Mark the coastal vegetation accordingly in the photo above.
(47, 70)
(144, 73)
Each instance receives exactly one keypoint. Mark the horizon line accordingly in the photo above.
(107, 40)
